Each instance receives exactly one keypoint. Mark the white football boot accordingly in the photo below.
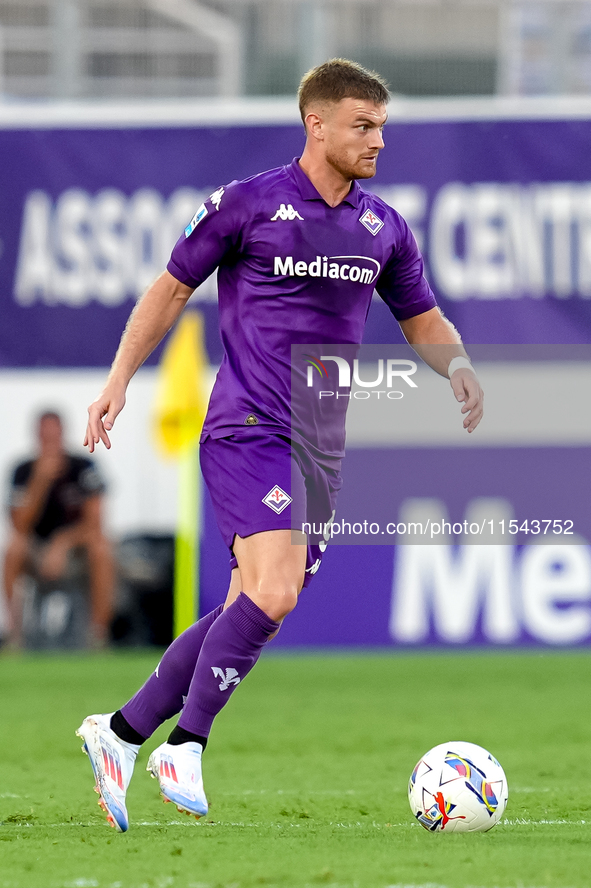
(178, 770)
(112, 761)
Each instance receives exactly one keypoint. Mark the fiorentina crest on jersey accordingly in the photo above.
(277, 499)
(372, 222)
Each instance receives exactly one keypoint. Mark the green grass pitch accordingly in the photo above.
(306, 774)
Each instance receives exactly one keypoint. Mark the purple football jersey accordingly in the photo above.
(292, 270)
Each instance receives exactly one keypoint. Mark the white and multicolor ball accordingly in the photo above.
(458, 787)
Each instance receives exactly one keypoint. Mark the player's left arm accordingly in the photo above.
(438, 343)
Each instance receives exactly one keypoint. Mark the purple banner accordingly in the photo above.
(504, 594)
(501, 209)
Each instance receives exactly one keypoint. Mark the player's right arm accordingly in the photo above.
(151, 319)
(214, 230)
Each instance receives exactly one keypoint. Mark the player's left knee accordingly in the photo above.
(277, 603)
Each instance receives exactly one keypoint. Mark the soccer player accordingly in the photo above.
(299, 251)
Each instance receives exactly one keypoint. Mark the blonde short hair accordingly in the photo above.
(340, 79)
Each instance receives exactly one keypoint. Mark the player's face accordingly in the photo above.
(353, 137)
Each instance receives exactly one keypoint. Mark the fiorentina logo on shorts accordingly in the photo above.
(277, 499)
(372, 222)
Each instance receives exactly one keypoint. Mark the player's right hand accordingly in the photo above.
(101, 417)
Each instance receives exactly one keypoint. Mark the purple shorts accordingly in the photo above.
(262, 481)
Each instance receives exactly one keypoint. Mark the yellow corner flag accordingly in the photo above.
(181, 400)
(179, 410)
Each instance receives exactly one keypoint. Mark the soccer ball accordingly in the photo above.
(458, 787)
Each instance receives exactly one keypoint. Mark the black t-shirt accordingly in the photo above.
(81, 479)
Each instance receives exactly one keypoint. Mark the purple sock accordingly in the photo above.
(230, 650)
(162, 695)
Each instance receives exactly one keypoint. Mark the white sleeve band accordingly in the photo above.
(457, 364)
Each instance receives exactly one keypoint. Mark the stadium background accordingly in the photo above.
(115, 119)
(118, 119)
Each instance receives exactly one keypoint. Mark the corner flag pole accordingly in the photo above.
(179, 411)
(188, 535)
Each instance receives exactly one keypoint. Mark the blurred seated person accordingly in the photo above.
(55, 508)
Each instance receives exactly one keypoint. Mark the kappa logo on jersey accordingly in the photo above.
(216, 197)
(199, 215)
(372, 222)
(229, 677)
(277, 499)
(287, 214)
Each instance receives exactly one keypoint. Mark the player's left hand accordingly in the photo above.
(466, 388)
